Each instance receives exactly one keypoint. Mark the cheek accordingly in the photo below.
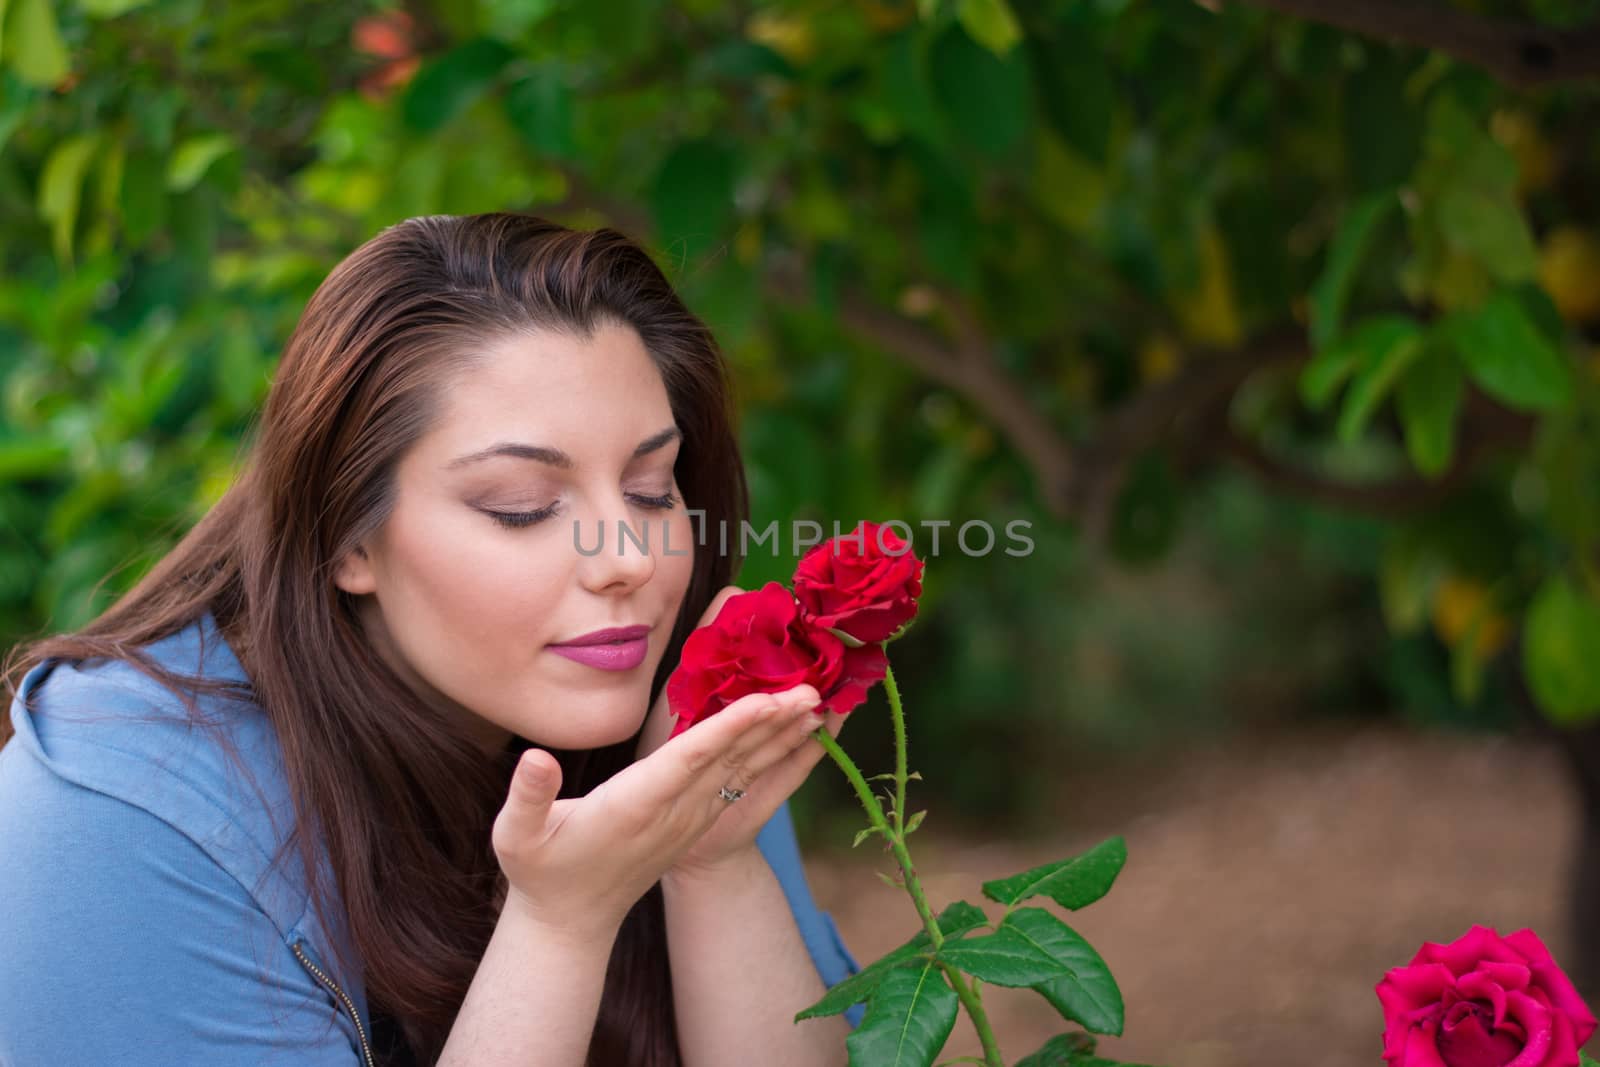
(674, 569)
(458, 574)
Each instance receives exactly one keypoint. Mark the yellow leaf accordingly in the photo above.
(1569, 270)
(788, 35)
(990, 23)
(1159, 359)
(1462, 609)
(1209, 313)
(33, 44)
(1068, 186)
(61, 188)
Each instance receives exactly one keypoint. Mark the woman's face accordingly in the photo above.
(478, 573)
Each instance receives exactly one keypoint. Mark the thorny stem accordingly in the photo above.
(967, 994)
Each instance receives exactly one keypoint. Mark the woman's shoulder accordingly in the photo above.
(110, 728)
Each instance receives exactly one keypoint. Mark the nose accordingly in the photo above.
(620, 555)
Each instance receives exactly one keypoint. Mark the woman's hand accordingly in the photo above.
(794, 753)
(578, 865)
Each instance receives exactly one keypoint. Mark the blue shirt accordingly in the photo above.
(140, 923)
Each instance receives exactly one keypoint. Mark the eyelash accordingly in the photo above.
(518, 519)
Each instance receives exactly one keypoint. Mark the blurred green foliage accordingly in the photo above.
(1053, 260)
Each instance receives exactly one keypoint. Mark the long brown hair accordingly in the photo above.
(357, 384)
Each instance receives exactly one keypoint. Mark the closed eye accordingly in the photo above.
(519, 519)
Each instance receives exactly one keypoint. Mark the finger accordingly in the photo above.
(683, 760)
(795, 735)
(534, 785)
(788, 769)
(755, 750)
(794, 704)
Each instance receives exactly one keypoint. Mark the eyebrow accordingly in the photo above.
(554, 456)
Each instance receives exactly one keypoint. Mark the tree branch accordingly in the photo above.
(966, 366)
(1485, 428)
(1520, 54)
(1079, 481)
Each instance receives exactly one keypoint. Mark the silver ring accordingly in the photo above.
(730, 795)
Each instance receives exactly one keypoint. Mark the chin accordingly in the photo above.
(581, 728)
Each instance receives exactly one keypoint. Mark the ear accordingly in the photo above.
(354, 573)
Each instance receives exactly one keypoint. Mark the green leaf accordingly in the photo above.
(1509, 357)
(1073, 883)
(1063, 1050)
(741, 60)
(915, 821)
(193, 157)
(21, 460)
(693, 198)
(1568, 455)
(143, 195)
(1034, 948)
(1088, 995)
(1386, 346)
(510, 20)
(1326, 372)
(1078, 92)
(907, 1021)
(906, 88)
(955, 921)
(1561, 653)
(110, 9)
(1586, 1060)
(61, 187)
(1331, 291)
(446, 87)
(540, 107)
(1382, 129)
(33, 43)
(862, 835)
(1023, 951)
(1069, 1050)
(1428, 401)
(986, 99)
(1408, 574)
(1489, 225)
(990, 23)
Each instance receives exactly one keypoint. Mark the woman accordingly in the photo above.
(374, 765)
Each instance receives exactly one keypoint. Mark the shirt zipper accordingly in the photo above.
(333, 987)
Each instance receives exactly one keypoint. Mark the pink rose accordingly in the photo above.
(1483, 1001)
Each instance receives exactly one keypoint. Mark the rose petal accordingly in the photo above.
(1481, 985)
(1406, 993)
(1468, 1037)
(1537, 1023)
(1421, 1047)
(1465, 952)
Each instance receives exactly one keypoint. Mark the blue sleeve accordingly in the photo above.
(125, 943)
(834, 962)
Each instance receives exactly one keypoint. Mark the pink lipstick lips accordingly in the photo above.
(620, 648)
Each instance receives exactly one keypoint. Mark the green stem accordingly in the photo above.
(967, 994)
(897, 716)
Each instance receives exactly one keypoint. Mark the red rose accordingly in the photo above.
(760, 643)
(1483, 1001)
(865, 583)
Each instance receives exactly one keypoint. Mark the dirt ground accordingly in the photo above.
(1269, 885)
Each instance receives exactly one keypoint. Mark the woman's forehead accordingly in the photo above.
(555, 391)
